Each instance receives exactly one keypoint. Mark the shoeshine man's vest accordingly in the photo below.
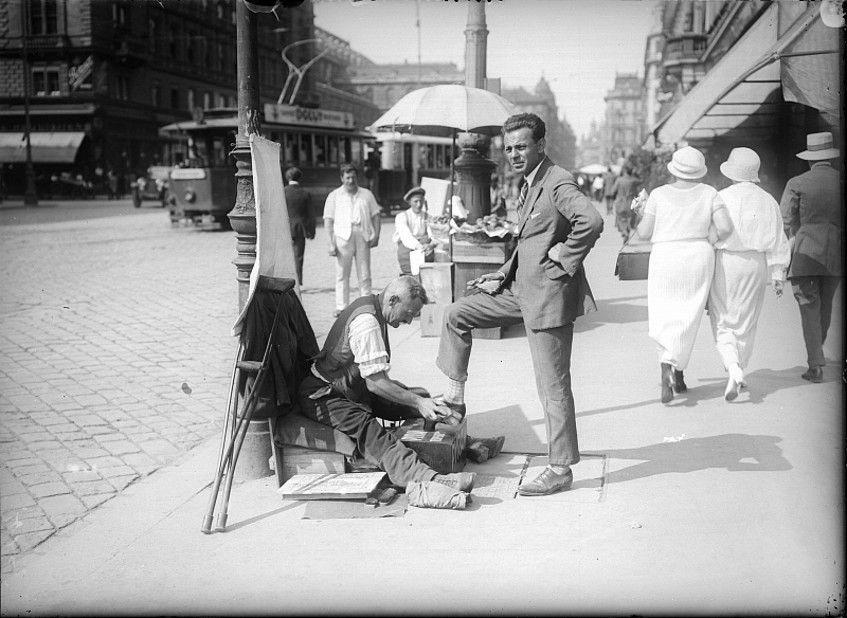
(335, 362)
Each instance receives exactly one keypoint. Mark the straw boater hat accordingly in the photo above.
(413, 192)
(688, 163)
(819, 147)
(742, 165)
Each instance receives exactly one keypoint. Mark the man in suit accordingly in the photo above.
(542, 285)
(811, 213)
(300, 217)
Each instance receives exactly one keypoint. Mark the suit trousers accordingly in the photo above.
(550, 349)
(359, 421)
(814, 297)
(298, 245)
(354, 248)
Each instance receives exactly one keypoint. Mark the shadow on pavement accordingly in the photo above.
(727, 451)
(253, 520)
(760, 384)
(613, 311)
(511, 422)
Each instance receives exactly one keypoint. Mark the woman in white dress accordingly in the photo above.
(755, 251)
(412, 232)
(677, 218)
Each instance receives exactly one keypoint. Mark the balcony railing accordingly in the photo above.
(684, 48)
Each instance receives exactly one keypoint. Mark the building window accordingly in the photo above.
(190, 97)
(43, 16)
(207, 100)
(153, 40)
(120, 14)
(174, 98)
(121, 88)
(190, 56)
(45, 82)
(219, 57)
(231, 102)
(220, 9)
(172, 46)
(155, 95)
(220, 101)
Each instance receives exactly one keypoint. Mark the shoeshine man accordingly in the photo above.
(543, 285)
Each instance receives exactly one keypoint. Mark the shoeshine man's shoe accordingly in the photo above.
(548, 482)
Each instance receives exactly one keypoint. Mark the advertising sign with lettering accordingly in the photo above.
(79, 75)
(304, 116)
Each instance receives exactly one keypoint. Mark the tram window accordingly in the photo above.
(219, 149)
(320, 150)
(305, 149)
(288, 148)
(348, 154)
(333, 149)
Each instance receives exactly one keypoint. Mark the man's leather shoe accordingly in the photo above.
(548, 482)
(679, 384)
(814, 374)
(460, 481)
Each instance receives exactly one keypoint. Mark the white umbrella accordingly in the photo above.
(593, 169)
(442, 110)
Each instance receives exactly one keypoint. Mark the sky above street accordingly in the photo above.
(577, 45)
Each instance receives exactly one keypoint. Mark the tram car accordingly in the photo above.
(202, 186)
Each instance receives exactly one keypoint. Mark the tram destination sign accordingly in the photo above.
(305, 116)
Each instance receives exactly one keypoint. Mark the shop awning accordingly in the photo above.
(58, 147)
(741, 91)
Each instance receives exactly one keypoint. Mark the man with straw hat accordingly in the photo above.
(811, 213)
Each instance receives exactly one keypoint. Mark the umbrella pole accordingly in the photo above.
(452, 180)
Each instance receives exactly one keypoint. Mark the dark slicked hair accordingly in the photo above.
(293, 173)
(349, 167)
(526, 121)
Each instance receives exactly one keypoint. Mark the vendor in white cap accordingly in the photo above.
(811, 213)
(412, 232)
(755, 251)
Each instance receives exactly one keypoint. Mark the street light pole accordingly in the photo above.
(30, 194)
(243, 214)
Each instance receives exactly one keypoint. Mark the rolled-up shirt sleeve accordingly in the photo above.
(367, 345)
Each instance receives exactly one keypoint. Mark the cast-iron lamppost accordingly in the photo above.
(256, 450)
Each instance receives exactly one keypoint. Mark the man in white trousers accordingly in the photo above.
(351, 218)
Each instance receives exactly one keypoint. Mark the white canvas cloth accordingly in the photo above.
(274, 254)
(678, 282)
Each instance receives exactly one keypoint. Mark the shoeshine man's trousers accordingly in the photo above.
(550, 349)
(359, 421)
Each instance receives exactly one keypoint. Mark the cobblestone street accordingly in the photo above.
(117, 354)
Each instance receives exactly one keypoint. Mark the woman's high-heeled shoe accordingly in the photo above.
(667, 382)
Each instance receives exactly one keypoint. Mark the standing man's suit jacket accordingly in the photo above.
(300, 215)
(556, 214)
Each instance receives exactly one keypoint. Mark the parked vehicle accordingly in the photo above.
(152, 186)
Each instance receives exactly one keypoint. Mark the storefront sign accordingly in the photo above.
(79, 75)
(304, 116)
(188, 173)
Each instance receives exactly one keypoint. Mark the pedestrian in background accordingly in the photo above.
(811, 211)
(412, 232)
(755, 251)
(351, 218)
(609, 188)
(597, 188)
(626, 187)
(301, 218)
(676, 219)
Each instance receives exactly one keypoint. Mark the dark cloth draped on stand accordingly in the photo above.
(293, 347)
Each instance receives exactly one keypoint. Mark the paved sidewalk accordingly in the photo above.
(699, 506)
(116, 353)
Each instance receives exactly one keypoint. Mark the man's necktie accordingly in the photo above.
(522, 196)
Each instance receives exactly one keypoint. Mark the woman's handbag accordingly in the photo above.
(633, 260)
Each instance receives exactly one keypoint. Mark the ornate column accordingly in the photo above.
(473, 174)
(243, 214)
